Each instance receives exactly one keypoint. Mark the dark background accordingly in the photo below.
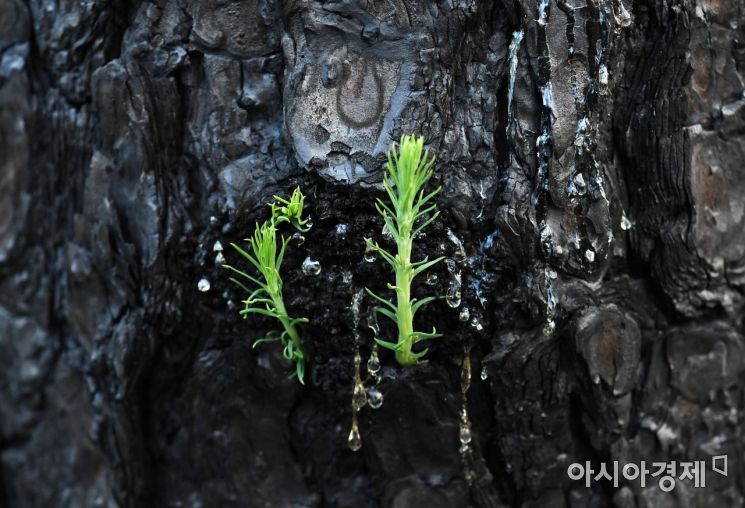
(594, 175)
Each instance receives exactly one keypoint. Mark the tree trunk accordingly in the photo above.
(590, 155)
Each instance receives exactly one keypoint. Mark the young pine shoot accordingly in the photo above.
(266, 255)
(291, 211)
(410, 211)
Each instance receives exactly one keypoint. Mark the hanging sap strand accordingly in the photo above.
(464, 426)
(359, 396)
(374, 395)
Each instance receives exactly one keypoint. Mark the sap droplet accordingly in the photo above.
(213, 220)
(431, 279)
(359, 397)
(373, 363)
(465, 433)
(453, 297)
(308, 223)
(217, 247)
(590, 255)
(460, 252)
(219, 259)
(203, 285)
(596, 379)
(354, 440)
(311, 267)
(369, 253)
(386, 234)
(374, 398)
(549, 327)
(484, 373)
(464, 315)
(299, 239)
(342, 230)
(476, 324)
(625, 222)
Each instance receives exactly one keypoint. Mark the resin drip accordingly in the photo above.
(374, 395)
(464, 426)
(359, 396)
(453, 296)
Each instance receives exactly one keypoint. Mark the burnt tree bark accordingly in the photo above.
(590, 154)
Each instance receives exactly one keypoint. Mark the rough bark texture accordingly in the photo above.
(590, 154)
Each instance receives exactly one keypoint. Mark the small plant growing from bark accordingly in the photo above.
(266, 255)
(410, 211)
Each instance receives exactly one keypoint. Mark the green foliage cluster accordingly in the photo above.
(266, 255)
(406, 214)
(410, 211)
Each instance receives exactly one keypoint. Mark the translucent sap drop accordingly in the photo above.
(590, 255)
(625, 222)
(453, 297)
(431, 279)
(217, 247)
(464, 315)
(372, 324)
(374, 398)
(203, 285)
(310, 267)
(476, 324)
(549, 327)
(484, 373)
(465, 433)
(369, 254)
(219, 259)
(373, 363)
(299, 239)
(354, 440)
(359, 397)
(386, 234)
(342, 230)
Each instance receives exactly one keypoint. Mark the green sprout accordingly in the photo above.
(291, 211)
(266, 257)
(408, 171)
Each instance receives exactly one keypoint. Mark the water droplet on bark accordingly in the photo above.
(203, 285)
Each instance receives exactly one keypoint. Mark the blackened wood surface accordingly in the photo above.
(591, 156)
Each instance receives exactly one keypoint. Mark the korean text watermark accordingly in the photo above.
(666, 474)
